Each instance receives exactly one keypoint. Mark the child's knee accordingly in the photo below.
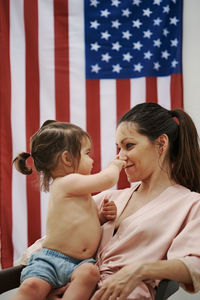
(34, 287)
(29, 286)
(88, 272)
(93, 272)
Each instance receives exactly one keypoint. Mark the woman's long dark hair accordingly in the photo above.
(153, 120)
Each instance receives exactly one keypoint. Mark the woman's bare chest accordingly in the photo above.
(134, 204)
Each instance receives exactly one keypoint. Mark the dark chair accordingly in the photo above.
(166, 288)
(10, 279)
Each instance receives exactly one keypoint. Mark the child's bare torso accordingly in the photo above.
(73, 226)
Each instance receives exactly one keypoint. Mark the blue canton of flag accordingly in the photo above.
(133, 38)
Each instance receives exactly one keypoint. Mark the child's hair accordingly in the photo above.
(47, 144)
(153, 120)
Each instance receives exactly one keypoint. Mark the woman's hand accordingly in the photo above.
(121, 284)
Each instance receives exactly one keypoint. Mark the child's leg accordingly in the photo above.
(32, 288)
(83, 282)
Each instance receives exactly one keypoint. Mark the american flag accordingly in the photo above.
(86, 62)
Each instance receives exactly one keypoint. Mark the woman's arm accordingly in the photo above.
(173, 269)
(123, 282)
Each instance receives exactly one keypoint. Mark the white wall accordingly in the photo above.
(182, 295)
(191, 59)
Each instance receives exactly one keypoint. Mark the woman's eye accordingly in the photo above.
(129, 145)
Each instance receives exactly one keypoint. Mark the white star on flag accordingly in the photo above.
(137, 45)
(105, 35)
(106, 57)
(116, 68)
(95, 68)
(138, 67)
(127, 57)
(94, 24)
(165, 54)
(156, 66)
(116, 24)
(116, 46)
(105, 13)
(95, 46)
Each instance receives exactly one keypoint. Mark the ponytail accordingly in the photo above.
(186, 165)
(20, 163)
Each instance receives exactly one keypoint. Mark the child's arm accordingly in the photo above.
(108, 211)
(78, 184)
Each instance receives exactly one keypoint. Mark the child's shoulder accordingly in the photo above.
(67, 180)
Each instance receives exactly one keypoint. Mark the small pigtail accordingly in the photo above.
(20, 163)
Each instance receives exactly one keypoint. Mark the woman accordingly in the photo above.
(156, 232)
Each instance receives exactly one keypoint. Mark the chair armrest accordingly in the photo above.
(166, 288)
(10, 278)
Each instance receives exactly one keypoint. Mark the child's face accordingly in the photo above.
(86, 162)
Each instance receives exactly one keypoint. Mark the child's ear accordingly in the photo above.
(66, 158)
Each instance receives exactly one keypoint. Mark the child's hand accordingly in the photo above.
(109, 210)
(117, 161)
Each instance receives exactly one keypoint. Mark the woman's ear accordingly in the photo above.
(162, 142)
(66, 158)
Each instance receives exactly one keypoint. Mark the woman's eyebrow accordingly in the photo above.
(121, 142)
(124, 140)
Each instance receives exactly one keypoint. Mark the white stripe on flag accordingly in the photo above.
(107, 120)
(46, 60)
(17, 60)
(138, 87)
(77, 63)
(163, 86)
(47, 79)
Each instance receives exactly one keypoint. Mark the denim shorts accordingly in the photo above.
(52, 266)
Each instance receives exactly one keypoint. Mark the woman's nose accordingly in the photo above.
(122, 155)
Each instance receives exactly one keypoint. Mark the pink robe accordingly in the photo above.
(168, 227)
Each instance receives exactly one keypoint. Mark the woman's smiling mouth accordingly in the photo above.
(129, 166)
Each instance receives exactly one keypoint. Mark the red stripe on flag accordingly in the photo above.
(123, 97)
(123, 105)
(61, 59)
(32, 113)
(176, 90)
(93, 120)
(6, 140)
(151, 89)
